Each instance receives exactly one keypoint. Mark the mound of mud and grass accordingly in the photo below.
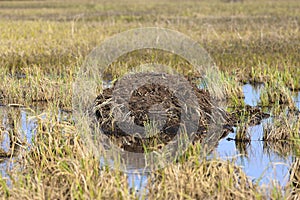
(153, 99)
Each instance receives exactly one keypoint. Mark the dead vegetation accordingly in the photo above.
(169, 113)
(213, 179)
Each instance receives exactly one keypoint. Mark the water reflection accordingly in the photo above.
(257, 164)
(260, 160)
(28, 127)
(252, 94)
(138, 182)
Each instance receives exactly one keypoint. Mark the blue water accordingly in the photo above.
(252, 94)
(276, 167)
(297, 100)
(138, 182)
(258, 165)
(28, 127)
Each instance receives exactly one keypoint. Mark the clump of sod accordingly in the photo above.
(139, 113)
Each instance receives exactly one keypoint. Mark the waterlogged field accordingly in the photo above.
(256, 46)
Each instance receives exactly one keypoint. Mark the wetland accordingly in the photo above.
(255, 45)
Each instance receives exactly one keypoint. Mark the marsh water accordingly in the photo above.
(258, 162)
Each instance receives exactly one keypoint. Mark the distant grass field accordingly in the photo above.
(252, 40)
(44, 43)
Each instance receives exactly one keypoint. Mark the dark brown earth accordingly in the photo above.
(139, 107)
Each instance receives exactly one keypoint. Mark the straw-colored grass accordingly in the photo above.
(44, 43)
(251, 40)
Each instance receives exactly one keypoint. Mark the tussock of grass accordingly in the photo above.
(283, 128)
(10, 137)
(294, 181)
(36, 86)
(194, 179)
(281, 134)
(276, 93)
(59, 166)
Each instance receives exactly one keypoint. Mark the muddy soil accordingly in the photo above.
(140, 111)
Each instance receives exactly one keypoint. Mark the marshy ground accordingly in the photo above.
(255, 44)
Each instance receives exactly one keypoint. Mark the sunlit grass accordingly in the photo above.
(44, 43)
